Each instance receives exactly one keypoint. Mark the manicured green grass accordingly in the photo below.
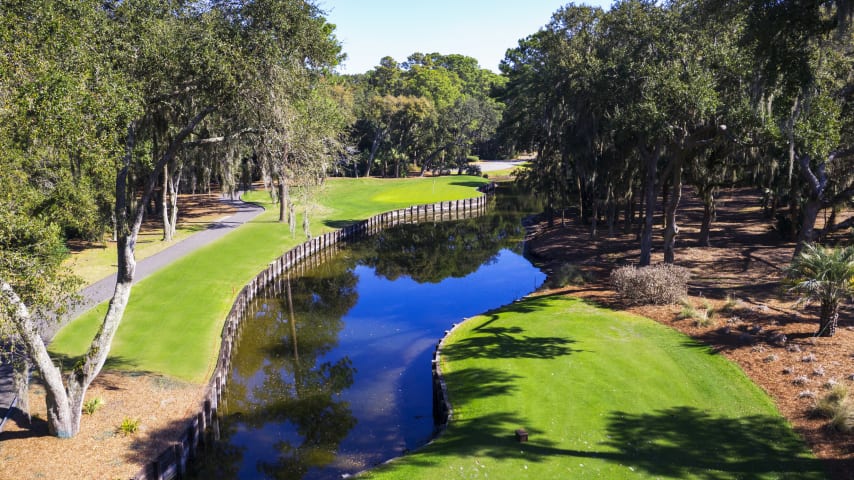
(174, 318)
(602, 395)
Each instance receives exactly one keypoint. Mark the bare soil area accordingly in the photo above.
(744, 264)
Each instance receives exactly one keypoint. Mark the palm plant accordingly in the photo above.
(825, 275)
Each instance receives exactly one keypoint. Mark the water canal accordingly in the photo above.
(335, 376)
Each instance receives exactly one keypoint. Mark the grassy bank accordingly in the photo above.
(603, 395)
(174, 318)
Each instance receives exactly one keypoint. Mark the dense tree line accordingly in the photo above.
(432, 111)
(625, 107)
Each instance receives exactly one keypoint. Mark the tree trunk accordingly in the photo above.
(629, 213)
(817, 181)
(671, 229)
(810, 214)
(828, 319)
(580, 199)
(651, 161)
(167, 224)
(611, 212)
(292, 218)
(21, 379)
(374, 147)
(284, 199)
(594, 220)
(65, 402)
(59, 417)
(709, 214)
(174, 187)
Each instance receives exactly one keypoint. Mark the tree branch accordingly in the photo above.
(212, 140)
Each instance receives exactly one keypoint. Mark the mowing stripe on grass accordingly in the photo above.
(175, 316)
(603, 394)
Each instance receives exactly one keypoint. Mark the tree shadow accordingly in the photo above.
(684, 441)
(476, 383)
(501, 342)
(339, 224)
(679, 442)
(468, 184)
(114, 362)
(27, 427)
(492, 435)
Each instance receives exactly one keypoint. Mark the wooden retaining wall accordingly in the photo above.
(204, 426)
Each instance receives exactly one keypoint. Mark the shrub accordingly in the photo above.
(92, 406)
(129, 426)
(688, 310)
(837, 407)
(730, 304)
(473, 170)
(567, 274)
(656, 284)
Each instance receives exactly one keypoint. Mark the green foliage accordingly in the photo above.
(457, 119)
(825, 275)
(129, 426)
(93, 405)
(838, 408)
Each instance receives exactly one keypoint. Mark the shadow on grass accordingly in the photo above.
(338, 224)
(682, 441)
(468, 184)
(491, 435)
(501, 342)
(679, 442)
(67, 363)
(475, 383)
(489, 341)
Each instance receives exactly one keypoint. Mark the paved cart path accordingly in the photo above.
(102, 290)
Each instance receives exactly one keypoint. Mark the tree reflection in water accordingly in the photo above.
(280, 379)
(288, 412)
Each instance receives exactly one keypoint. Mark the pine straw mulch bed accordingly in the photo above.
(743, 264)
(101, 451)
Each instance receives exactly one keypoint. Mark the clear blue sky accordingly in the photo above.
(483, 29)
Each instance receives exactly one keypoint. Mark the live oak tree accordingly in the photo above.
(59, 116)
(155, 74)
(636, 101)
(801, 54)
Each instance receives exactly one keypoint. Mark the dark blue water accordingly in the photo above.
(336, 377)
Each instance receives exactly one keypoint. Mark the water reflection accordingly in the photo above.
(335, 376)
